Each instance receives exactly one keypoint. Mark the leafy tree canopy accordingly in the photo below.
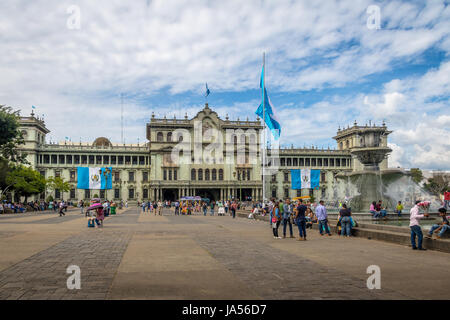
(10, 136)
(25, 180)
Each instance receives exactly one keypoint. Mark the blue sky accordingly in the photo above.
(324, 67)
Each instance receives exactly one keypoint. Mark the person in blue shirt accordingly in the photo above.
(322, 217)
(287, 212)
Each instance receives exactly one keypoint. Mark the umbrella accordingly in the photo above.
(302, 197)
(95, 206)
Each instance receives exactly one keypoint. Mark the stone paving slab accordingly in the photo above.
(43, 276)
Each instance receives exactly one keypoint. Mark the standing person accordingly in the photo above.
(2, 209)
(226, 206)
(126, 204)
(270, 207)
(287, 212)
(233, 208)
(414, 225)
(204, 207)
(346, 222)
(276, 219)
(159, 207)
(447, 199)
(301, 220)
(82, 206)
(155, 207)
(177, 208)
(322, 217)
(213, 204)
(143, 206)
(149, 206)
(398, 209)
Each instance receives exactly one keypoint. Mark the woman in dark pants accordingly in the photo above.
(346, 222)
(301, 220)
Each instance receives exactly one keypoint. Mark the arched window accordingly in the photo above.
(180, 137)
(159, 137)
(193, 174)
(214, 174)
(248, 174)
(347, 144)
(169, 136)
(252, 139)
(200, 174)
(235, 139)
(221, 174)
(207, 174)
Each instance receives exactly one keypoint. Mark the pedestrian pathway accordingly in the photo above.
(142, 256)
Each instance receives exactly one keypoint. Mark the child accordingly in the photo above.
(398, 209)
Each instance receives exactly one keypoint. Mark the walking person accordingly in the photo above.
(143, 206)
(288, 208)
(322, 217)
(301, 220)
(346, 221)
(414, 225)
(276, 219)
(61, 208)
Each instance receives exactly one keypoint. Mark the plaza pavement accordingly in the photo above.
(142, 256)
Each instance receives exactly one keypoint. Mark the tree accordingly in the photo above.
(10, 136)
(25, 181)
(58, 183)
(416, 175)
(437, 184)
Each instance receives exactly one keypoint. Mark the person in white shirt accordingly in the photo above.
(414, 225)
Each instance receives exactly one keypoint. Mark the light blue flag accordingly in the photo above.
(94, 178)
(83, 177)
(271, 120)
(296, 182)
(207, 90)
(33, 107)
(315, 179)
(305, 179)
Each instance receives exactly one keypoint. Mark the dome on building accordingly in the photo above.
(102, 142)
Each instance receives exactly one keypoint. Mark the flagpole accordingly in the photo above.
(264, 128)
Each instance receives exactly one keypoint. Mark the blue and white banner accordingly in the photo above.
(94, 178)
(305, 179)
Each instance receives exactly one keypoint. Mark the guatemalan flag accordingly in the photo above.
(271, 120)
(305, 178)
(94, 178)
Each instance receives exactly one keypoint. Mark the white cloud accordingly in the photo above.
(143, 47)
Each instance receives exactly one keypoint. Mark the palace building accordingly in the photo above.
(147, 171)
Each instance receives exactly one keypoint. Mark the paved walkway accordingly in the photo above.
(142, 256)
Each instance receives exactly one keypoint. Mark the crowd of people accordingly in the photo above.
(34, 206)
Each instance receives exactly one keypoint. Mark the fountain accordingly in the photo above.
(371, 180)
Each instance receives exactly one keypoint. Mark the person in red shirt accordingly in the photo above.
(447, 199)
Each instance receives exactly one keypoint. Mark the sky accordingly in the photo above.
(327, 65)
